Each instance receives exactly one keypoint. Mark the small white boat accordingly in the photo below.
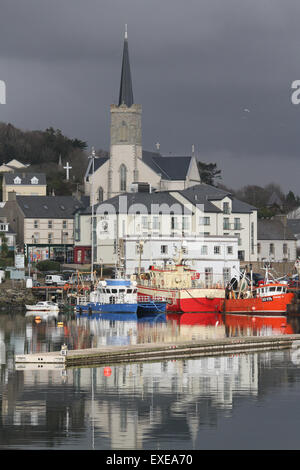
(43, 307)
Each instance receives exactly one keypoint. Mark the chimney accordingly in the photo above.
(12, 196)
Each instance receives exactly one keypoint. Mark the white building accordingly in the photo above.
(275, 241)
(215, 257)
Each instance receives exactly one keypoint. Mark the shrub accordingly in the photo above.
(48, 265)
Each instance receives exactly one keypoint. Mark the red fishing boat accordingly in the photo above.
(182, 288)
(269, 297)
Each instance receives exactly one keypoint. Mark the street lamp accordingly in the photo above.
(92, 157)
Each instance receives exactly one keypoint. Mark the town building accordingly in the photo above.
(214, 258)
(275, 241)
(127, 162)
(44, 225)
(207, 215)
(294, 227)
(12, 166)
(24, 184)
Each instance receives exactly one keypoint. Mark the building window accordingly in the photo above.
(229, 250)
(217, 250)
(34, 180)
(36, 224)
(123, 177)
(226, 208)
(164, 249)
(156, 223)
(237, 223)
(208, 272)
(285, 249)
(50, 238)
(204, 250)
(123, 132)
(35, 237)
(17, 180)
(100, 194)
(252, 238)
(49, 223)
(272, 249)
(226, 275)
(174, 223)
(64, 224)
(258, 248)
(185, 223)
(204, 221)
(226, 223)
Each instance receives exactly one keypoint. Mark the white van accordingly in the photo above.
(55, 280)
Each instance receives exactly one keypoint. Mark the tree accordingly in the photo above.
(208, 172)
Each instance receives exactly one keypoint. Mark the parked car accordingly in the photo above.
(55, 280)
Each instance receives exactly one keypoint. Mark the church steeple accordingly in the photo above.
(126, 94)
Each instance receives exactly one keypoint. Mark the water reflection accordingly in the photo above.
(167, 405)
(41, 333)
(177, 404)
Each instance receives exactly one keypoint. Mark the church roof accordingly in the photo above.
(170, 167)
(99, 161)
(126, 94)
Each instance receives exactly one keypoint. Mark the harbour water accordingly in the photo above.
(225, 402)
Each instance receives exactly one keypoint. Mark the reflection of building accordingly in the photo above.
(44, 225)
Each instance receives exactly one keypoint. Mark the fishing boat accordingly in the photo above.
(118, 296)
(182, 288)
(271, 296)
(46, 306)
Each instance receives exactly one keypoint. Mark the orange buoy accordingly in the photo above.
(107, 371)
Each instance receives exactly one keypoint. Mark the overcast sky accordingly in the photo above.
(213, 73)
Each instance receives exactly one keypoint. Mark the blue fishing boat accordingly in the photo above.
(118, 296)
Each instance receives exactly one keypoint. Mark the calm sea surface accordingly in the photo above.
(245, 401)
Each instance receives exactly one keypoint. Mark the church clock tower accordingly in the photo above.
(125, 134)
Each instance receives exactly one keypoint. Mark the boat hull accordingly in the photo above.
(267, 305)
(187, 300)
(92, 307)
(41, 309)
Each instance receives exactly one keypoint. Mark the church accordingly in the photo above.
(128, 163)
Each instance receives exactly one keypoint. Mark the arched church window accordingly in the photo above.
(100, 194)
(123, 177)
(123, 132)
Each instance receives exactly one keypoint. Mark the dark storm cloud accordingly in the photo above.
(213, 73)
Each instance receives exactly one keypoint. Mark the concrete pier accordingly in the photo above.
(158, 352)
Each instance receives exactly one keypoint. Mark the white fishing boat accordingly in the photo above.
(46, 306)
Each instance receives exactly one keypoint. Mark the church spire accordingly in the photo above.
(126, 95)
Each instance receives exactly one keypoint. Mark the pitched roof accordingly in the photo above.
(98, 162)
(144, 203)
(25, 178)
(273, 229)
(294, 226)
(48, 207)
(170, 167)
(204, 194)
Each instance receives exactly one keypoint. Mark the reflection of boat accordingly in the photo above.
(258, 324)
(269, 297)
(43, 315)
(182, 289)
(118, 296)
(46, 306)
